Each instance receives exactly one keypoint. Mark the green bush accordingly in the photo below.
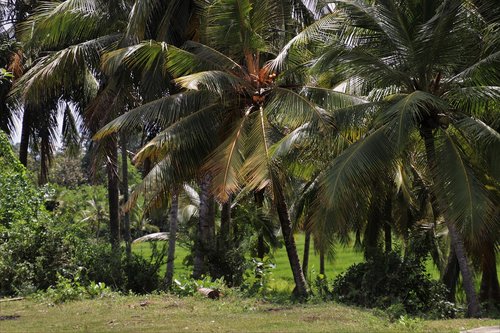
(67, 289)
(186, 286)
(42, 250)
(397, 285)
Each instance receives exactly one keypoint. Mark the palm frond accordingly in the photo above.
(258, 164)
(58, 24)
(139, 16)
(406, 113)
(191, 138)
(484, 139)
(318, 32)
(345, 184)
(162, 112)
(215, 81)
(467, 202)
(473, 100)
(292, 109)
(50, 77)
(226, 162)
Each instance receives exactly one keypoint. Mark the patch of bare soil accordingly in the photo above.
(14, 317)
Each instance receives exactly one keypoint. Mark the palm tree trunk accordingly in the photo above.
(322, 262)
(473, 309)
(387, 237)
(305, 261)
(113, 193)
(25, 136)
(203, 242)
(124, 190)
(291, 249)
(225, 220)
(387, 224)
(44, 160)
(490, 289)
(169, 275)
(259, 202)
(450, 276)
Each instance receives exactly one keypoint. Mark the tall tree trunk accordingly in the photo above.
(291, 249)
(169, 275)
(372, 230)
(307, 246)
(387, 237)
(473, 309)
(113, 192)
(204, 239)
(322, 262)
(44, 161)
(225, 225)
(259, 202)
(490, 289)
(450, 276)
(124, 189)
(387, 223)
(25, 135)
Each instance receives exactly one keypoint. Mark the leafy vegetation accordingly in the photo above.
(248, 145)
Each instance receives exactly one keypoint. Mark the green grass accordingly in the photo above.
(165, 313)
(281, 275)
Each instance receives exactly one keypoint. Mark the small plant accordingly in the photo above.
(68, 289)
(257, 277)
(186, 286)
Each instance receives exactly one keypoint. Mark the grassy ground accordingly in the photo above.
(282, 275)
(164, 313)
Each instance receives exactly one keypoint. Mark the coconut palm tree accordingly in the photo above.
(434, 66)
(231, 109)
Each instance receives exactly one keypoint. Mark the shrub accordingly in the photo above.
(391, 283)
(186, 286)
(257, 278)
(67, 289)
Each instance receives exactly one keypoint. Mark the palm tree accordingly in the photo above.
(434, 67)
(65, 40)
(231, 110)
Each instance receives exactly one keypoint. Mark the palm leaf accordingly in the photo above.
(484, 139)
(226, 162)
(406, 113)
(345, 183)
(56, 73)
(467, 202)
(192, 138)
(215, 81)
(162, 112)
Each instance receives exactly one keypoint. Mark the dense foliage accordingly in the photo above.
(227, 125)
(392, 283)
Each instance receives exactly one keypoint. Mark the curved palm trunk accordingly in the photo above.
(291, 249)
(126, 215)
(457, 243)
(113, 193)
(169, 275)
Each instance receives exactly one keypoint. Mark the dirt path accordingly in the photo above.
(489, 329)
